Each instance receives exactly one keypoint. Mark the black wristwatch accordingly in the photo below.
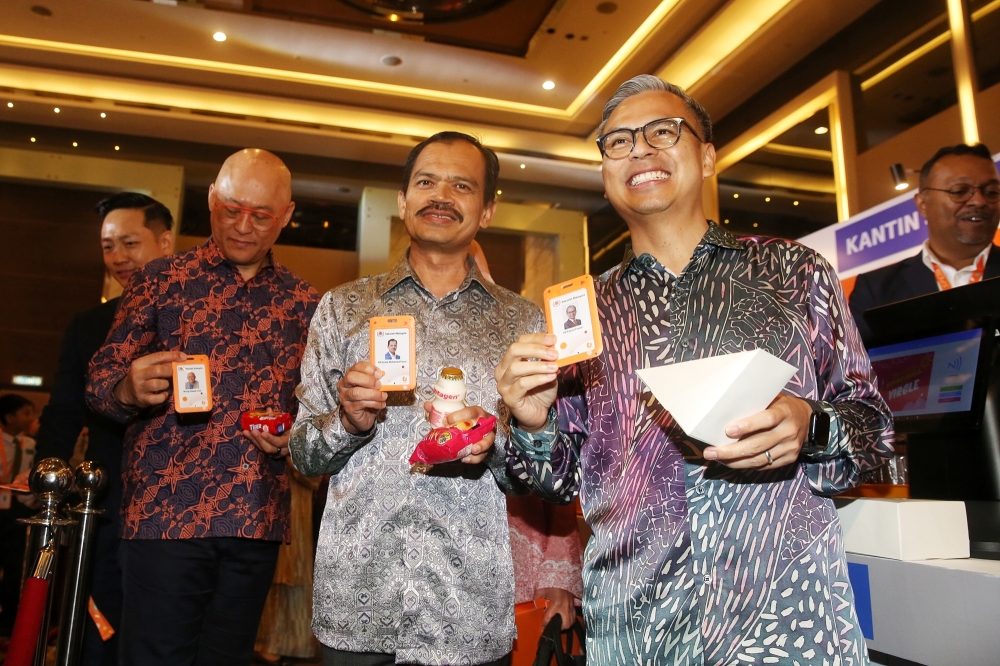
(818, 437)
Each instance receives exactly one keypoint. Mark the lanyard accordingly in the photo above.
(977, 274)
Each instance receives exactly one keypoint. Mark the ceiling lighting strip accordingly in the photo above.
(798, 151)
(725, 35)
(634, 42)
(924, 49)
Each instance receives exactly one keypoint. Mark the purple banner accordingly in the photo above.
(881, 234)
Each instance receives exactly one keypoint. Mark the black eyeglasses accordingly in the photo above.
(962, 193)
(662, 133)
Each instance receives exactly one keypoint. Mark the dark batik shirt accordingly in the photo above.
(413, 564)
(193, 475)
(693, 562)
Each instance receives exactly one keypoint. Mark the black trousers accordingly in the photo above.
(333, 657)
(193, 601)
(105, 583)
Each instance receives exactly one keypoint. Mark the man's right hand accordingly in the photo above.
(529, 387)
(148, 380)
(360, 397)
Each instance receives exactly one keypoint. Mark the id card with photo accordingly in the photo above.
(571, 313)
(192, 385)
(394, 351)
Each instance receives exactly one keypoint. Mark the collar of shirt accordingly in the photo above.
(212, 255)
(403, 271)
(956, 277)
(715, 236)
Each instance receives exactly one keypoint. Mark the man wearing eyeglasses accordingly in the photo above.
(960, 199)
(701, 554)
(205, 506)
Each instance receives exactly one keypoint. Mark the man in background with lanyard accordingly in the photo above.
(960, 199)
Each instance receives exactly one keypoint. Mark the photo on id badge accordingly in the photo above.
(570, 310)
(392, 348)
(192, 385)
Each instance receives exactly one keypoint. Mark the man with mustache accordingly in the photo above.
(960, 198)
(414, 568)
(701, 554)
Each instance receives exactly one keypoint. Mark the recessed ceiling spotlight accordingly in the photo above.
(767, 198)
(10, 105)
(725, 221)
(75, 144)
(755, 225)
(56, 109)
(391, 61)
(393, 17)
(795, 203)
(104, 115)
(117, 148)
(326, 224)
(736, 196)
(499, 192)
(821, 130)
(549, 85)
(522, 166)
(32, 139)
(219, 36)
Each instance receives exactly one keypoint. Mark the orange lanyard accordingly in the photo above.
(977, 274)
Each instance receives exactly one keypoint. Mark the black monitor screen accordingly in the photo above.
(929, 376)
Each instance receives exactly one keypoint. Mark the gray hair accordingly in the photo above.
(649, 83)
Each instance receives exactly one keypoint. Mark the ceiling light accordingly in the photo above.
(56, 109)
(116, 148)
(795, 203)
(549, 85)
(393, 17)
(522, 166)
(326, 224)
(10, 105)
(755, 225)
(32, 139)
(726, 221)
(736, 196)
(499, 192)
(104, 115)
(767, 198)
(219, 36)
(75, 144)
(821, 130)
(899, 176)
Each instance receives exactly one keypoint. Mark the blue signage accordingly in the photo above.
(881, 234)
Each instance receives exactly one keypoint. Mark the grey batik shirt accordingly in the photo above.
(414, 564)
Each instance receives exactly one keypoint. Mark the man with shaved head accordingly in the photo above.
(205, 506)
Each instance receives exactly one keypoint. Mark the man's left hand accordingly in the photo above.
(560, 603)
(275, 446)
(771, 438)
(480, 448)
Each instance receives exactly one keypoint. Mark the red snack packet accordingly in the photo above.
(443, 445)
(274, 423)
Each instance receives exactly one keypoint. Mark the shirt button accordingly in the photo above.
(707, 579)
(246, 465)
(700, 490)
(685, 344)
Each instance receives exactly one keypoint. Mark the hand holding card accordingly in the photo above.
(192, 385)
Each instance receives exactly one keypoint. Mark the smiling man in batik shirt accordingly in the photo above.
(701, 555)
(414, 568)
(205, 505)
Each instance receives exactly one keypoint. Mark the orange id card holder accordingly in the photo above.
(192, 385)
(393, 347)
(571, 313)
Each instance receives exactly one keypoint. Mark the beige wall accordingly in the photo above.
(323, 269)
(919, 143)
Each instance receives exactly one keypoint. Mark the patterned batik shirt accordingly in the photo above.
(412, 564)
(195, 475)
(693, 562)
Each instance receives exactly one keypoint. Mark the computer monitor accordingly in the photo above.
(935, 382)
